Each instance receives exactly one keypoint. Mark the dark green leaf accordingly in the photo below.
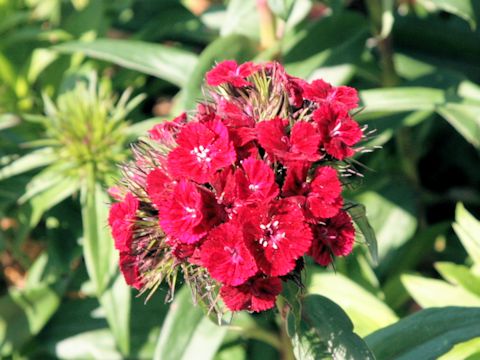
(425, 335)
(326, 329)
(165, 62)
(187, 333)
(358, 213)
(461, 8)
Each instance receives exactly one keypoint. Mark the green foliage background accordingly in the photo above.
(80, 79)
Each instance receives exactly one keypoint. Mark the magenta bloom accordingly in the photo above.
(322, 92)
(185, 214)
(302, 144)
(335, 238)
(324, 200)
(230, 72)
(130, 270)
(226, 257)
(277, 236)
(338, 130)
(121, 220)
(238, 193)
(258, 294)
(201, 151)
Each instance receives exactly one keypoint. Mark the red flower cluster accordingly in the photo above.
(246, 187)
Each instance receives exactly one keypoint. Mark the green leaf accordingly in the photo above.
(236, 47)
(326, 329)
(320, 44)
(8, 121)
(392, 214)
(241, 18)
(141, 128)
(392, 100)
(468, 350)
(426, 334)
(165, 62)
(30, 161)
(101, 261)
(467, 229)
(116, 301)
(366, 311)
(23, 313)
(459, 275)
(464, 118)
(187, 333)
(461, 8)
(433, 293)
(358, 212)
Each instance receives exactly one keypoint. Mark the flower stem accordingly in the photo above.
(267, 25)
(286, 350)
(384, 43)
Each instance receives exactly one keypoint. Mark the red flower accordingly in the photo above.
(130, 270)
(225, 255)
(188, 214)
(201, 151)
(277, 235)
(230, 72)
(258, 294)
(323, 92)
(121, 220)
(167, 131)
(302, 144)
(295, 180)
(324, 200)
(339, 131)
(335, 237)
(159, 186)
(256, 183)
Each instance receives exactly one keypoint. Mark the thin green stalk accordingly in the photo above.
(286, 350)
(384, 44)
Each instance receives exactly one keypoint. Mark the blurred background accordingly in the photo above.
(81, 79)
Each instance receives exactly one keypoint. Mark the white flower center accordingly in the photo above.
(271, 235)
(201, 153)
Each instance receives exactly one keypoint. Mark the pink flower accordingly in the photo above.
(324, 200)
(339, 132)
(302, 144)
(201, 151)
(258, 294)
(167, 131)
(322, 92)
(256, 183)
(226, 257)
(130, 270)
(189, 212)
(277, 235)
(159, 186)
(230, 72)
(335, 238)
(121, 219)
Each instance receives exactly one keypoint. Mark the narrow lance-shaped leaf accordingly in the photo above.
(32, 160)
(165, 62)
(425, 335)
(359, 216)
(325, 329)
(101, 261)
(467, 229)
(187, 333)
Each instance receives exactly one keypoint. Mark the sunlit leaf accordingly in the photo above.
(165, 62)
(187, 333)
(425, 335)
